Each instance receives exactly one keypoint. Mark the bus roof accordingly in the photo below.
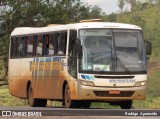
(83, 25)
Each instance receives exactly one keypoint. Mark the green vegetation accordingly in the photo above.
(7, 100)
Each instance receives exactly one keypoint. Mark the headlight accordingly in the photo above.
(140, 83)
(87, 83)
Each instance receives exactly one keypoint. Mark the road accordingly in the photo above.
(64, 113)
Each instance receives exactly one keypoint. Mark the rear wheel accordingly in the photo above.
(31, 101)
(35, 102)
(126, 104)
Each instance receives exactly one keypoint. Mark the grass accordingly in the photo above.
(7, 100)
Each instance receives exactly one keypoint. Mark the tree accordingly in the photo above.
(112, 17)
(132, 3)
(95, 12)
(32, 13)
(121, 4)
(137, 20)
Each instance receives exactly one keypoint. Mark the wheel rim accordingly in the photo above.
(67, 96)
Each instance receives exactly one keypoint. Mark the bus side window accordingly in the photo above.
(50, 44)
(62, 40)
(13, 47)
(48, 48)
(20, 47)
(29, 46)
(45, 45)
(39, 48)
(54, 42)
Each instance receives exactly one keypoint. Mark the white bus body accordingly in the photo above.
(110, 66)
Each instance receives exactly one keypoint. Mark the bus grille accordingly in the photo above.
(106, 94)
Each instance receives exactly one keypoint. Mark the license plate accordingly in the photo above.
(116, 92)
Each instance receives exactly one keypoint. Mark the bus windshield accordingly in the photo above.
(112, 50)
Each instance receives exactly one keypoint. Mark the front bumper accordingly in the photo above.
(102, 93)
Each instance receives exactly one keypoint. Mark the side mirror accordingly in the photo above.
(148, 47)
(76, 45)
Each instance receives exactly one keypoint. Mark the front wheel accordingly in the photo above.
(67, 98)
(126, 104)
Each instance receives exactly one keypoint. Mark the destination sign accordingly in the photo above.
(122, 80)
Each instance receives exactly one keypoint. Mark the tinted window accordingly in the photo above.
(13, 47)
(17, 47)
(39, 48)
(39, 45)
(62, 39)
(50, 44)
(29, 46)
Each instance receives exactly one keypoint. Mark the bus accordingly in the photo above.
(79, 63)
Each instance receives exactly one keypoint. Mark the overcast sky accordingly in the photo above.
(107, 6)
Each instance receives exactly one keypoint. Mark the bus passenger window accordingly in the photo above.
(48, 43)
(29, 48)
(50, 46)
(13, 47)
(20, 47)
(62, 40)
(39, 46)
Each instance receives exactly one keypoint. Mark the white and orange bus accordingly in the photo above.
(78, 64)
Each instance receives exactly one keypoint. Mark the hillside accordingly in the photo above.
(149, 20)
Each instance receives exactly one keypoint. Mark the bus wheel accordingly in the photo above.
(32, 102)
(35, 102)
(68, 102)
(126, 104)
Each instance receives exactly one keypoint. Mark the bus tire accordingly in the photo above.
(32, 101)
(126, 104)
(68, 102)
(35, 102)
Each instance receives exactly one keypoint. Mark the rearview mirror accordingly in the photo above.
(77, 46)
(148, 47)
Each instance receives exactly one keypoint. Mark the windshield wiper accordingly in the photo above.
(126, 69)
(115, 60)
(107, 63)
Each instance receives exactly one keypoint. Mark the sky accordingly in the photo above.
(108, 6)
